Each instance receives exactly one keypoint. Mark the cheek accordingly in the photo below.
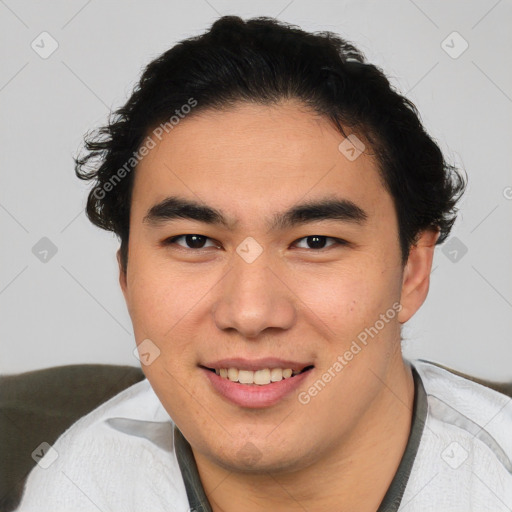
(344, 302)
(152, 307)
(153, 302)
(341, 298)
(165, 298)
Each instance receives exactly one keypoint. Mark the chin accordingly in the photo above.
(251, 460)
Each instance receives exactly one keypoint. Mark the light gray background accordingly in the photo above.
(70, 309)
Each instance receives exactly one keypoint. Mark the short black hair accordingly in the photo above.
(265, 61)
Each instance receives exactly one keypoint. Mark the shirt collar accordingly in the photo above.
(395, 492)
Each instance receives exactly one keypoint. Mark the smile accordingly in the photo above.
(259, 377)
(255, 389)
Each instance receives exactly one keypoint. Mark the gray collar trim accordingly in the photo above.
(396, 490)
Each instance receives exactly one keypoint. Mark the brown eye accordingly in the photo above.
(319, 241)
(191, 241)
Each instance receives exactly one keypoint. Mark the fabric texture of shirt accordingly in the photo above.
(128, 455)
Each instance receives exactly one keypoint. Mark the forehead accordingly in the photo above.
(252, 156)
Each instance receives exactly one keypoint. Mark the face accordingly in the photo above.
(261, 287)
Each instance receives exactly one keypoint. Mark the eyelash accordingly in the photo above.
(172, 241)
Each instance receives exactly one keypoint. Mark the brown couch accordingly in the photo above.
(38, 406)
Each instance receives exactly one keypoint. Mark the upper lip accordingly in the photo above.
(256, 364)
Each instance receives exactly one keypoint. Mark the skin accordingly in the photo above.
(294, 301)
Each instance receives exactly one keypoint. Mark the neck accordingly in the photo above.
(353, 477)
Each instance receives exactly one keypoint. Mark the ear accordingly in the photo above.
(416, 276)
(122, 274)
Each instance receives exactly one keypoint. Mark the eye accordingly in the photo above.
(319, 241)
(192, 241)
(195, 241)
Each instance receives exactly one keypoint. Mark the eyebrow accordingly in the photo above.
(310, 211)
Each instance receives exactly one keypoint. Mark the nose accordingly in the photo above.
(254, 297)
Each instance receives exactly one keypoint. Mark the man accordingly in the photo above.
(278, 206)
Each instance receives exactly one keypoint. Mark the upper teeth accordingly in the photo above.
(260, 377)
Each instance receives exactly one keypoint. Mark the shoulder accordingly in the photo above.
(465, 454)
(119, 456)
(467, 405)
(475, 401)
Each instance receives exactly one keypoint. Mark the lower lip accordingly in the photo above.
(252, 395)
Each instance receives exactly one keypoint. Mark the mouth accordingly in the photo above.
(261, 377)
(256, 384)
